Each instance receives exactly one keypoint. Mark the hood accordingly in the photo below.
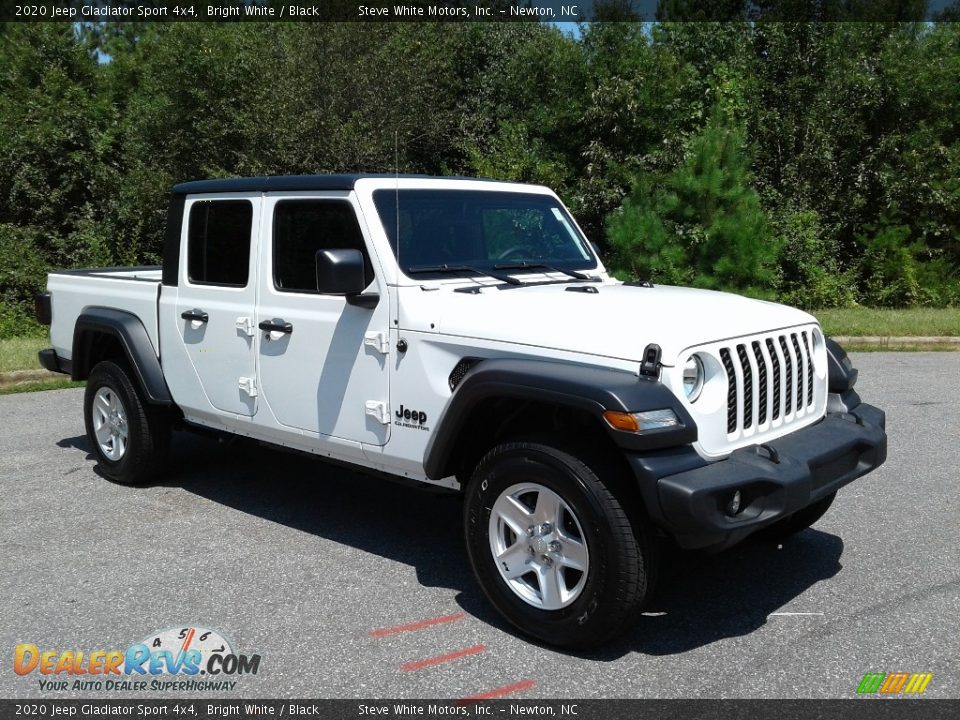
(618, 321)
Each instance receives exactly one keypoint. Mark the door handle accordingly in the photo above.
(276, 325)
(195, 315)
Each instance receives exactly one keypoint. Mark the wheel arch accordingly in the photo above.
(104, 333)
(498, 394)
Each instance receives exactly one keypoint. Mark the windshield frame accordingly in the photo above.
(383, 201)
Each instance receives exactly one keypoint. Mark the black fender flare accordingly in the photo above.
(588, 388)
(842, 375)
(132, 336)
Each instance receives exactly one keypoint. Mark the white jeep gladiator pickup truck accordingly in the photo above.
(464, 333)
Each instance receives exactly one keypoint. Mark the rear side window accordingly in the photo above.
(300, 229)
(218, 244)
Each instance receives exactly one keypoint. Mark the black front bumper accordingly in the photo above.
(688, 497)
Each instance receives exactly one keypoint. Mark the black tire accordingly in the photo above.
(147, 426)
(621, 551)
(800, 520)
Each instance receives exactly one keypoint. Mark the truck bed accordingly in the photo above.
(134, 289)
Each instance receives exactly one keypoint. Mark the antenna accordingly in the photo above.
(396, 166)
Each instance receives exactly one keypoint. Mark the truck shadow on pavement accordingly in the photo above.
(701, 598)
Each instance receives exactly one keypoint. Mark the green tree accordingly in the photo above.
(809, 274)
(51, 160)
(506, 135)
(53, 163)
(845, 135)
(703, 223)
(635, 121)
(889, 265)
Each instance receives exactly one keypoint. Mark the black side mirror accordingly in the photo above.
(341, 272)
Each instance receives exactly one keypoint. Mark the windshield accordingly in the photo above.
(481, 229)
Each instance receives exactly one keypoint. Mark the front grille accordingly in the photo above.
(767, 379)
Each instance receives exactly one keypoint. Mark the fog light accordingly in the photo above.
(733, 507)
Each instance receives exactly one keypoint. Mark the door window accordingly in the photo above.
(218, 243)
(300, 229)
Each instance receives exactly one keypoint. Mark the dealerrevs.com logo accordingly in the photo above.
(186, 659)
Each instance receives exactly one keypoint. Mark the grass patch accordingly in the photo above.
(20, 353)
(854, 346)
(37, 385)
(913, 322)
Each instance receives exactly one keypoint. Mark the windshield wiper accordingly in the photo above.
(542, 266)
(462, 268)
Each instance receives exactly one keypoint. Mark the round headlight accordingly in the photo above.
(817, 338)
(693, 377)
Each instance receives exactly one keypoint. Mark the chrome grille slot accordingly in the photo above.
(806, 346)
(747, 386)
(800, 361)
(731, 390)
(775, 362)
(761, 382)
(788, 383)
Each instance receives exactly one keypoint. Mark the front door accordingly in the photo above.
(216, 299)
(323, 366)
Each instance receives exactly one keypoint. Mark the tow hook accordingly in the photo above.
(772, 455)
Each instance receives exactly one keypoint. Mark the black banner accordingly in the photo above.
(859, 709)
(476, 10)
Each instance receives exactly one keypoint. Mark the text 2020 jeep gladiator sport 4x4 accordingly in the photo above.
(464, 333)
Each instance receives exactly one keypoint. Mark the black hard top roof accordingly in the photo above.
(294, 182)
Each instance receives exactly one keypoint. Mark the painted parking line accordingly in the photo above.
(439, 659)
(419, 625)
(501, 691)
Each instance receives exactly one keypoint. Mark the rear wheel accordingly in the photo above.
(552, 546)
(128, 435)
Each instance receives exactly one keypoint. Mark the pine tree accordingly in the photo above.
(701, 224)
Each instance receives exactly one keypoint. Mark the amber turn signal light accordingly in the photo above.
(621, 421)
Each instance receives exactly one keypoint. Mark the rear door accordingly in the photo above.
(217, 295)
(328, 372)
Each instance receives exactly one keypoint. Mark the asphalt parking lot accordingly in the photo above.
(347, 586)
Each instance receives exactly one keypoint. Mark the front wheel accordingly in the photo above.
(552, 546)
(128, 435)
